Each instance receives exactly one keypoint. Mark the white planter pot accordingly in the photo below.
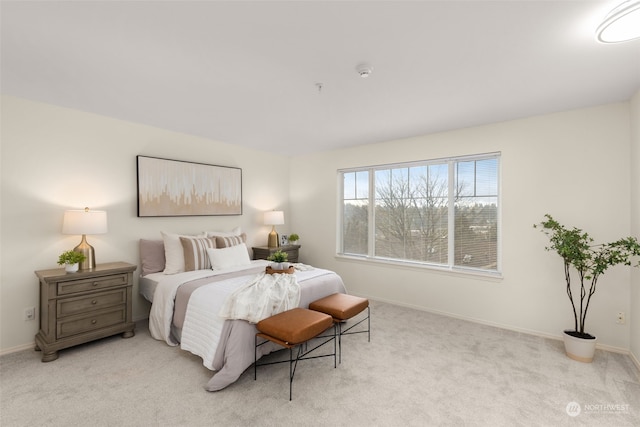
(276, 266)
(71, 268)
(579, 349)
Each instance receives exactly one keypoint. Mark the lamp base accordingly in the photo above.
(85, 248)
(274, 239)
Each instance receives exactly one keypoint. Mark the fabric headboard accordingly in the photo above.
(152, 256)
(153, 252)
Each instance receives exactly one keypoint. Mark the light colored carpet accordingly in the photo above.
(419, 369)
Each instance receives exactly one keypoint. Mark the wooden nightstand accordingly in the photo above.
(263, 252)
(79, 307)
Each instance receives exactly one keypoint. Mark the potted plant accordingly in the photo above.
(71, 260)
(590, 261)
(278, 260)
(294, 238)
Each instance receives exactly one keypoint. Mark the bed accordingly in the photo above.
(192, 280)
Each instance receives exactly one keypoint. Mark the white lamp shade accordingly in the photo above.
(274, 218)
(84, 222)
(621, 24)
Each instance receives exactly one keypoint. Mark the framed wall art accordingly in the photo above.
(178, 188)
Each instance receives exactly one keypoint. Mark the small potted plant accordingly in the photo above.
(278, 260)
(590, 261)
(71, 260)
(294, 239)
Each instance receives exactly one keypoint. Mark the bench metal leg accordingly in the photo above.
(301, 355)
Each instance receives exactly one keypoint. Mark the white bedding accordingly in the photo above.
(164, 296)
(225, 346)
(209, 306)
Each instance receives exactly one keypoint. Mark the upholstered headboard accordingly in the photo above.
(152, 256)
(167, 254)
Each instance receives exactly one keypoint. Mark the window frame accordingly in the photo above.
(450, 265)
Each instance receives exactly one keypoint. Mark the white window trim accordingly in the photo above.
(451, 222)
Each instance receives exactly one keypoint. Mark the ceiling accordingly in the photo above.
(247, 73)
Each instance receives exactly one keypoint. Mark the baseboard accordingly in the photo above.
(558, 337)
(636, 362)
(22, 347)
(33, 344)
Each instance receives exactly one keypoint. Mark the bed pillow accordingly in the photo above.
(228, 241)
(235, 232)
(232, 256)
(173, 252)
(151, 256)
(195, 252)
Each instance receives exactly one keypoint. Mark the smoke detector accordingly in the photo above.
(364, 70)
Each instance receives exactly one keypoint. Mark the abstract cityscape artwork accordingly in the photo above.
(179, 188)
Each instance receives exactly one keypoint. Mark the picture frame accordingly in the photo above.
(284, 240)
(180, 188)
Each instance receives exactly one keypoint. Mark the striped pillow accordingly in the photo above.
(228, 241)
(195, 252)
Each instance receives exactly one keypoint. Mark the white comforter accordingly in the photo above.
(258, 298)
(203, 324)
(161, 314)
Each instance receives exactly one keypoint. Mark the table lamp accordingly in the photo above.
(273, 218)
(85, 222)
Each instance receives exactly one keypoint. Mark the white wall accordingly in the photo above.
(634, 315)
(573, 165)
(55, 159)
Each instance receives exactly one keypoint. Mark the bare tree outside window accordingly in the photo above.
(476, 214)
(355, 213)
(425, 212)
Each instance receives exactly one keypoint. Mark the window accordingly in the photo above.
(441, 213)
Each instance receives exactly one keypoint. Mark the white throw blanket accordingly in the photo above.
(202, 323)
(262, 297)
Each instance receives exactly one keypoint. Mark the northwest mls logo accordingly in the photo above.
(573, 409)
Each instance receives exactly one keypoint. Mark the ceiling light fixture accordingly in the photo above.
(364, 70)
(621, 24)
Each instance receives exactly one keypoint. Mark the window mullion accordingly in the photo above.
(340, 230)
(451, 222)
(372, 214)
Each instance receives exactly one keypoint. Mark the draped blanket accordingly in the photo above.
(262, 297)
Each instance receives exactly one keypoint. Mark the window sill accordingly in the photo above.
(456, 271)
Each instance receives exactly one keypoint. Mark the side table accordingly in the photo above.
(79, 307)
(263, 252)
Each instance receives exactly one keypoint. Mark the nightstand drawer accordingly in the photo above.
(92, 284)
(292, 255)
(264, 252)
(77, 305)
(96, 320)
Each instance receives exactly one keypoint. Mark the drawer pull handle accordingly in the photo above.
(94, 321)
(94, 302)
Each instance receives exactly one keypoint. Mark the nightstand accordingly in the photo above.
(263, 252)
(88, 305)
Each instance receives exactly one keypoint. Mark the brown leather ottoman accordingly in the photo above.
(342, 307)
(290, 329)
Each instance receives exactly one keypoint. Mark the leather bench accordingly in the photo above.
(342, 307)
(290, 329)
